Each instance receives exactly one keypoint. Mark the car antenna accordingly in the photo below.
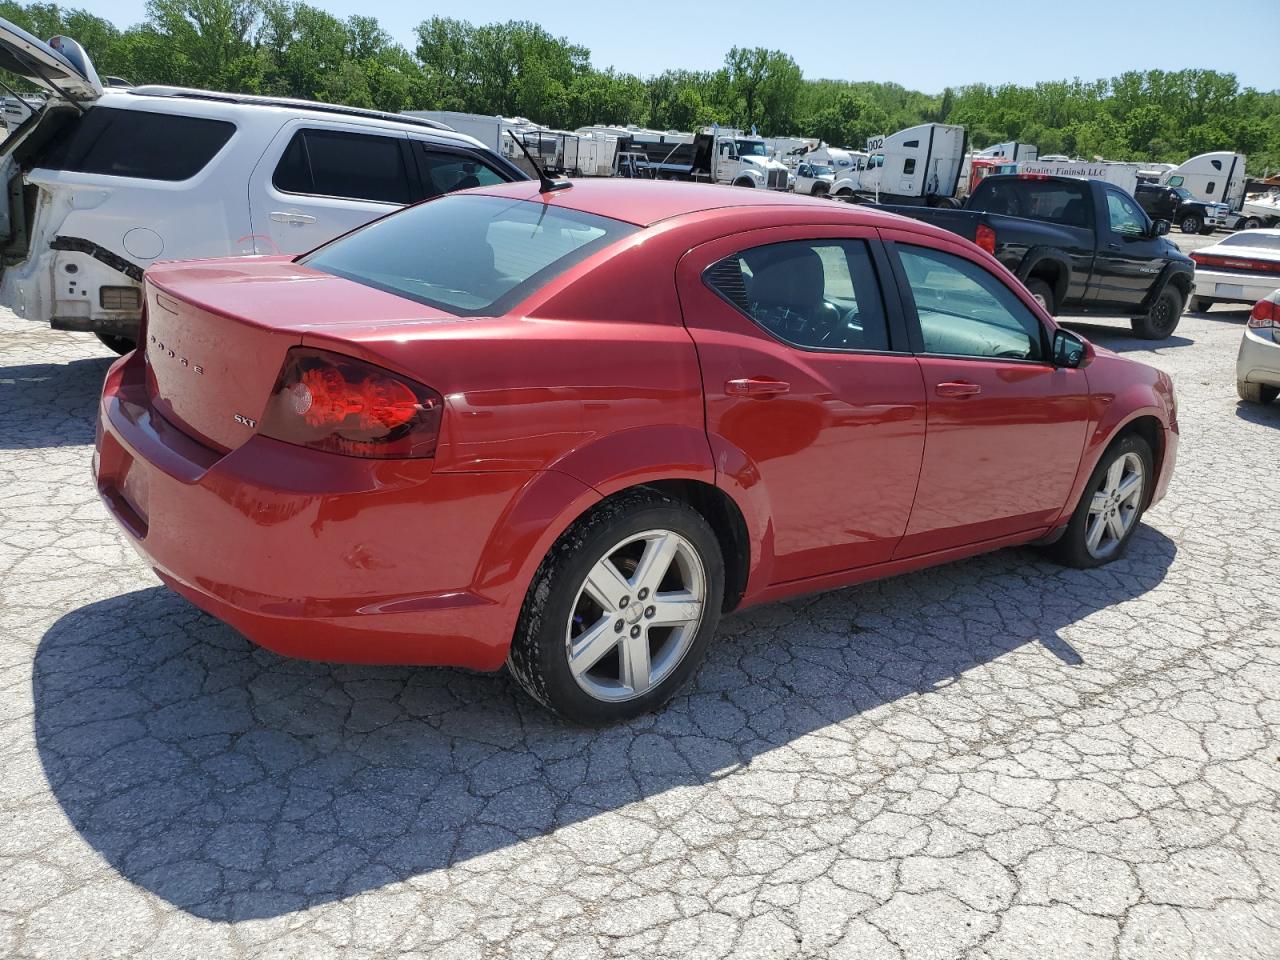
(547, 185)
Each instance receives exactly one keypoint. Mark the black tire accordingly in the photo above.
(1256, 392)
(1163, 317)
(1071, 550)
(1191, 223)
(744, 183)
(1251, 223)
(539, 659)
(1200, 304)
(1043, 294)
(1206, 231)
(844, 192)
(119, 344)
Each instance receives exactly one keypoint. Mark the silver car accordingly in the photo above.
(1258, 365)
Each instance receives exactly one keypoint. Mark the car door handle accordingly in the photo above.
(296, 219)
(760, 387)
(957, 388)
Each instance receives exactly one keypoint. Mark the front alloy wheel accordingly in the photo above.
(621, 610)
(1116, 506)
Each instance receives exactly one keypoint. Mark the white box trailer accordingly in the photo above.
(1010, 151)
(596, 152)
(1123, 175)
(1211, 177)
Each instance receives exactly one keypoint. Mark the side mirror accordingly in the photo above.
(1159, 228)
(1070, 350)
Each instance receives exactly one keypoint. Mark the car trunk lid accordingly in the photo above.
(217, 332)
(61, 66)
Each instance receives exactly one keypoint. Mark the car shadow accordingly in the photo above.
(50, 404)
(1264, 413)
(236, 784)
(1120, 339)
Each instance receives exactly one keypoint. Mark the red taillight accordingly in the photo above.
(342, 405)
(1236, 263)
(1266, 313)
(986, 238)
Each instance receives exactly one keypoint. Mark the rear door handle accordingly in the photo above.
(957, 388)
(761, 387)
(296, 219)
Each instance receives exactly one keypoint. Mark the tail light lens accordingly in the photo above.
(1265, 315)
(1242, 264)
(986, 238)
(342, 405)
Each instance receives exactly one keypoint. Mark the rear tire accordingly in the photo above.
(1163, 317)
(1107, 506)
(1256, 392)
(1252, 223)
(1042, 293)
(119, 344)
(1191, 223)
(592, 601)
(844, 192)
(1200, 304)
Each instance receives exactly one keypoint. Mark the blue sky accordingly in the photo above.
(921, 44)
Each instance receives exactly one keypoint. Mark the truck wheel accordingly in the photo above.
(1256, 392)
(744, 183)
(1206, 231)
(120, 345)
(1251, 223)
(1200, 304)
(844, 192)
(1042, 293)
(1191, 223)
(1163, 318)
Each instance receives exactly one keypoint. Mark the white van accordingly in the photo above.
(1211, 178)
(103, 182)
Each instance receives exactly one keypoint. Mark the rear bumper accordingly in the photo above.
(1258, 360)
(1233, 287)
(309, 554)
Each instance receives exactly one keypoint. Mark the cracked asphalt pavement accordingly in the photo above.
(998, 758)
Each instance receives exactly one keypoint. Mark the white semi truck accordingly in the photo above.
(1211, 177)
(919, 165)
(737, 159)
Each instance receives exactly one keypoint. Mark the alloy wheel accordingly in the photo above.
(1115, 506)
(636, 615)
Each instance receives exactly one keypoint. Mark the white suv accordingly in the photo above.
(102, 182)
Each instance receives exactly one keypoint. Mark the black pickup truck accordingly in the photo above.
(1080, 246)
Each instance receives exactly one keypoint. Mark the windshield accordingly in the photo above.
(1253, 238)
(467, 255)
(820, 170)
(751, 148)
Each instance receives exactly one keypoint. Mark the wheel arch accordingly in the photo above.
(1050, 267)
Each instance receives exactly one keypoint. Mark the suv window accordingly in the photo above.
(445, 172)
(137, 143)
(1055, 201)
(337, 163)
(465, 254)
(819, 294)
(1125, 216)
(965, 311)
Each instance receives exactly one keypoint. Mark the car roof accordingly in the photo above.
(310, 106)
(646, 202)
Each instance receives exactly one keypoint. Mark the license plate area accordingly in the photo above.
(1229, 290)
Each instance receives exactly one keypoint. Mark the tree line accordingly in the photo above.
(279, 47)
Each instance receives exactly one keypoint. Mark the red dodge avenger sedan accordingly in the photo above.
(567, 430)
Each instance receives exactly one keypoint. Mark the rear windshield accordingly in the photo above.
(136, 143)
(467, 255)
(1248, 238)
(1056, 201)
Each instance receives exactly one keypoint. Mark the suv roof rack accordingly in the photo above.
(157, 90)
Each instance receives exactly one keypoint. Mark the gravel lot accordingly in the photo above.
(998, 758)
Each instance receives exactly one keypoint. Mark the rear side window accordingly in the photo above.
(468, 255)
(139, 144)
(817, 294)
(352, 166)
(446, 172)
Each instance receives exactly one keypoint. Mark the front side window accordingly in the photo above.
(350, 166)
(1210, 187)
(818, 294)
(1125, 216)
(909, 166)
(138, 144)
(465, 254)
(965, 311)
(445, 172)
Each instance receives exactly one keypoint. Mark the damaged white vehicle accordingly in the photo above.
(101, 182)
